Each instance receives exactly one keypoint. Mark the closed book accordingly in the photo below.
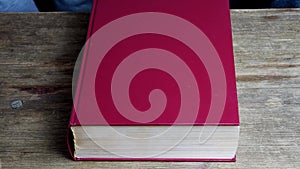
(156, 82)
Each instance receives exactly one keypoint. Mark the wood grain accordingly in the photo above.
(37, 56)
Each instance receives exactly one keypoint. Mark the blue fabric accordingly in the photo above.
(86, 5)
(61, 5)
(18, 6)
(285, 4)
(74, 5)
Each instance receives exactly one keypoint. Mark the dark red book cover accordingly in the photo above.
(153, 63)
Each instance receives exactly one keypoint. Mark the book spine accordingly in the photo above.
(72, 121)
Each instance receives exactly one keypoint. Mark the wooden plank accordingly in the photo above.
(37, 55)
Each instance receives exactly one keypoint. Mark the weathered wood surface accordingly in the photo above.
(37, 55)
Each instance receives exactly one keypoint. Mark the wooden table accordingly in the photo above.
(37, 55)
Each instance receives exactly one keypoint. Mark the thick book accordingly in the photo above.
(156, 82)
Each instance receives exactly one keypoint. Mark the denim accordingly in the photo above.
(74, 5)
(60, 5)
(18, 6)
(285, 4)
(86, 5)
